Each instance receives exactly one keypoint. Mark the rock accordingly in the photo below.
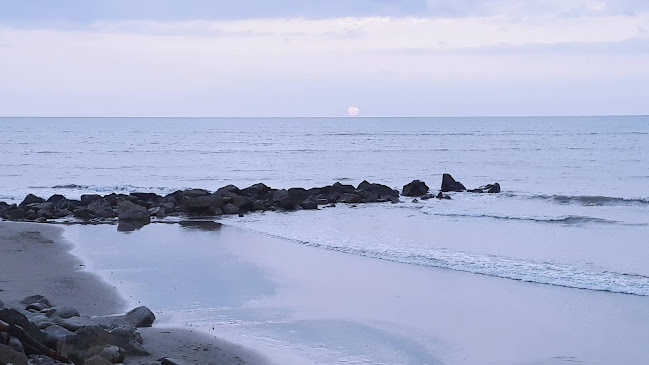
(230, 209)
(309, 205)
(56, 198)
(36, 306)
(349, 198)
(449, 184)
(101, 208)
(74, 323)
(65, 312)
(229, 189)
(415, 188)
(91, 340)
(10, 356)
(89, 198)
(36, 299)
(16, 345)
(82, 213)
(16, 214)
(13, 317)
(495, 188)
(255, 191)
(381, 191)
(147, 197)
(489, 188)
(442, 196)
(158, 212)
(138, 317)
(171, 361)
(131, 212)
(97, 360)
(53, 334)
(279, 195)
(113, 354)
(202, 204)
(130, 226)
(242, 202)
(2, 305)
(31, 199)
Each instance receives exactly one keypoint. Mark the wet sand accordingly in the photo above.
(34, 259)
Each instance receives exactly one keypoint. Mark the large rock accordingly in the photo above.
(101, 208)
(256, 191)
(53, 334)
(489, 188)
(10, 356)
(65, 312)
(32, 299)
(138, 317)
(13, 317)
(449, 184)
(381, 191)
(91, 340)
(31, 199)
(204, 203)
(131, 212)
(415, 188)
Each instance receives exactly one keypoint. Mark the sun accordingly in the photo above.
(353, 111)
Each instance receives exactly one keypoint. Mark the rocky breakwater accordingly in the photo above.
(419, 189)
(41, 333)
(136, 209)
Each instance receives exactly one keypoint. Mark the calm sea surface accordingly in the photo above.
(574, 209)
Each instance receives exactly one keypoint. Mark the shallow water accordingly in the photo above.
(574, 209)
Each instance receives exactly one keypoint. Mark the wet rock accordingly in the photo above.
(242, 202)
(13, 317)
(53, 334)
(309, 205)
(130, 226)
(36, 306)
(449, 184)
(31, 199)
(56, 198)
(89, 198)
(113, 354)
(255, 191)
(74, 323)
(230, 209)
(101, 208)
(415, 188)
(16, 345)
(147, 197)
(279, 195)
(229, 189)
(138, 317)
(349, 198)
(489, 188)
(202, 204)
(15, 214)
(171, 361)
(65, 312)
(381, 191)
(91, 340)
(442, 196)
(10, 356)
(32, 299)
(2, 305)
(131, 212)
(82, 213)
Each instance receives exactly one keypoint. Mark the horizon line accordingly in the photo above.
(330, 116)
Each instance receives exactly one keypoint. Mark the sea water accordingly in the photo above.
(574, 207)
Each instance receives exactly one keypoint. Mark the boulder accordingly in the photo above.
(415, 188)
(442, 196)
(298, 194)
(381, 191)
(230, 209)
(56, 198)
(97, 360)
(89, 198)
(101, 208)
(131, 212)
(229, 189)
(91, 340)
(31, 199)
(36, 299)
(204, 203)
(13, 317)
(171, 361)
(349, 198)
(255, 191)
(147, 197)
(113, 354)
(287, 203)
(10, 356)
(53, 334)
(65, 312)
(74, 323)
(449, 184)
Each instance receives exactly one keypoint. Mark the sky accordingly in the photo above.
(317, 58)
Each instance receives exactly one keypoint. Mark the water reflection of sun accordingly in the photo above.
(353, 111)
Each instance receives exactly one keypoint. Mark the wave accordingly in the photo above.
(107, 189)
(588, 200)
(540, 272)
(567, 220)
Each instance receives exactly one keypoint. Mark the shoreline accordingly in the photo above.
(37, 259)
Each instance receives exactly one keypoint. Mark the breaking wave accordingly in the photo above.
(540, 272)
(587, 200)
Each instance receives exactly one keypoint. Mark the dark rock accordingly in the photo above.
(415, 188)
(16, 214)
(171, 361)
(489, 188)
(449, 184)
(495, 188)
(65, 312)
(132, 212)
(31, 199)
(159, 212)
(30, 215)
(86, 341)
(89, 198)
(82, 213)
(229, 189)
(368, 196)
(257, 205)
(255, 191)
(309, 205)
(13, 317)
(113, 354)
(56, 198)
(16, 345)
(287, 203)
(442, 196)
(147, 197)
(101, 208)
(427, 196)
(230, 209)
(381, 191)
(202, 204)
(36, 306)
(349, 198)
(279, 195)
(10, 356)
(298, 194)
(242, 202)
(74, 323)
(36, 299)
(138, 317)
(53, 334)
(130, 226)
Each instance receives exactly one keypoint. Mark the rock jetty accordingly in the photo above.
(136, 209)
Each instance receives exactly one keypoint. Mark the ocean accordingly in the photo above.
(573, 212)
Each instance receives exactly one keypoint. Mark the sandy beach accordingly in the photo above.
(34, 259)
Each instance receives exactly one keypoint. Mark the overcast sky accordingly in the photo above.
(317, 57)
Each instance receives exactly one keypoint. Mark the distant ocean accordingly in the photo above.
(574, 207)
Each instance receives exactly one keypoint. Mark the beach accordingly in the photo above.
(34, 259)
